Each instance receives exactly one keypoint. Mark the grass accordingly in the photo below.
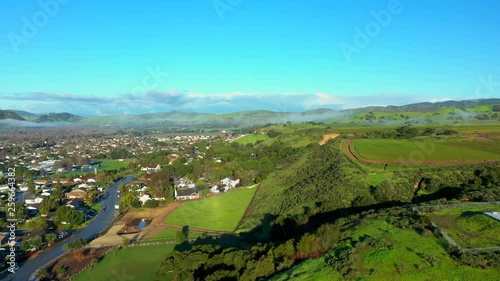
(252, 138)
(109, 165)
(170, 234)
(310, 270)
(134, 263)
(97, 207)
(407, 258)
(384, 149)
(469, 227)
(221, 212)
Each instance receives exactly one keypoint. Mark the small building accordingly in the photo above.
(187, 194)
(75, 193)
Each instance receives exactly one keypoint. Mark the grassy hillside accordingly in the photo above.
(380, 251)
(252, 138)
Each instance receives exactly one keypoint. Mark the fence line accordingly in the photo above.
(431, 208)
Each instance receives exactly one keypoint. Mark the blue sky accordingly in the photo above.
(101, 57)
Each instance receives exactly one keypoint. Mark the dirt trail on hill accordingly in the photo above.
(327, 137)
(157, 216)
(346, 147)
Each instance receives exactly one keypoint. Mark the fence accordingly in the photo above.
(450, 240)
(432, 208)
(90, 265)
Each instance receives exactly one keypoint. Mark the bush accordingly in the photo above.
(151, 204)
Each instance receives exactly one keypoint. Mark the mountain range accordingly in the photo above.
(418, 113)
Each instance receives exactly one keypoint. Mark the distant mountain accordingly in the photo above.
(24, 114)
(58, 117)
(8, 114)
(447, 112)
(428, 106)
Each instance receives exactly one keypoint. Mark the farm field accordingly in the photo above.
(133, 263)
(469, 227)
(222, 212)
(252, 138)
(170, 234)
(388, 149)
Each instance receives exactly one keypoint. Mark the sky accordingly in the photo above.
(107, 57)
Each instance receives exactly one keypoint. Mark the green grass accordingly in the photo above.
(170, 234)
(109, 165)
(222, 212)
(469, 227)
(97, 207)
(252, 138)
(310, 270)
(404, 250)
(383, 149)
(488, 146)
(134, 263)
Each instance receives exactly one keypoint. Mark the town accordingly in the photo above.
(61, 184)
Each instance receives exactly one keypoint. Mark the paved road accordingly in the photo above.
(103, 220)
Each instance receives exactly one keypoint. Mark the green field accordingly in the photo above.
(170, 234)
(469, 227)
(407, 257)
(134, 263)
(222, 212)
(252, 138)
(388, 149)
(108, 165)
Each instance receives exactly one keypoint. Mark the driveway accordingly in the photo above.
(103, 220)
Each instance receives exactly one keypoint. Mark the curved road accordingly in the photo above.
(98, 224)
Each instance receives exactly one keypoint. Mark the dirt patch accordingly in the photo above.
(346, 147)
(72, 265)
(327, 137)
(157, 216)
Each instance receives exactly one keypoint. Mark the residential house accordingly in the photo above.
(232, 182)
(219, 188)
(32, 199)
(75, 193)
(151, 168)
(144, 198)
(186, 194)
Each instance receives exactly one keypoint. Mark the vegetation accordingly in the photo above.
(222, 212)
(128, 264)
(252, 138)
(401, 149)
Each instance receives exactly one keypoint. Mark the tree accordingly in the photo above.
(129, 200)
(69, 215)
(35, 242)
(49, 204)
(41, 273)
(50, 237)
(79, 243)
(31, 186)
(37, 224)
(90, 197)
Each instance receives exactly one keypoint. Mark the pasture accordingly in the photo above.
(404, 150)
(252, 138)
(133, 263)
(222, 212)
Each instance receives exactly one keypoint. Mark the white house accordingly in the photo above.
(33, 200)
(232, 182)
(151, 168)
(186, 194)
(144, 198)
(219, 188)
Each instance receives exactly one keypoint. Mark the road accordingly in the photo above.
(103, 220)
